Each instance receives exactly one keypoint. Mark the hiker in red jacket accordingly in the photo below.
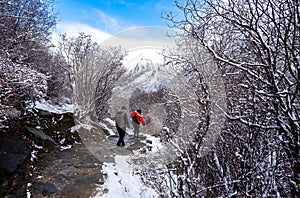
(137, 118)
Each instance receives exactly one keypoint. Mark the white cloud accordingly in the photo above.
(107, 21)
(142, 37)
(72, 29)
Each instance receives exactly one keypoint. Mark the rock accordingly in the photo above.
(65, 176)
(39, 134)
(46, 188)
(149, 141)
(100, 192)
(90, 179)
(142, 137)
(44, 113)
(13, 152)
(136, 146)
(156, 135)
(106, 131)
(143, 150)
(149, 148)
(129, 137)
(45, 140)
(74, 172)
(113, 137)
(46, 130)
(14, 166)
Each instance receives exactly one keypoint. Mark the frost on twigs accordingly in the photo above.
(20, 86)
(93, 70)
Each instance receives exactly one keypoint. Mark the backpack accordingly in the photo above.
(135, 119)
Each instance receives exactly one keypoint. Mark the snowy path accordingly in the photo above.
(121, 183)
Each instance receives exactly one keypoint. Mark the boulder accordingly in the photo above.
(43, 139)
(14, 166)
(46, 188)
(136, 146)
(149, 141)
(13, 152)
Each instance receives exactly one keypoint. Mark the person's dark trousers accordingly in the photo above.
(121, 136)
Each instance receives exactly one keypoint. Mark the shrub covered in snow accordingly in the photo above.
(19, 87)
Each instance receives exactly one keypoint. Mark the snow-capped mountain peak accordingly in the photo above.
(145, 70)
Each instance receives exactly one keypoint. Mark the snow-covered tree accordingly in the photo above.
(20, 86)
(59, 83)
(256, 46)
(94, 71)
(189, 131)
(25, 34)
(25, 30)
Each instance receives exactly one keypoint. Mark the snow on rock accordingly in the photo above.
(80, 126)
(108, 125)
(155, 143)
(66, 108)
(65, 147)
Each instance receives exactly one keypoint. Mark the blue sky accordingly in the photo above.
(102, 18)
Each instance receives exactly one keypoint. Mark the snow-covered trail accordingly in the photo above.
(120, 181)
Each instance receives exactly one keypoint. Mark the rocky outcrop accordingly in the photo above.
(26, 143)
(34, 159)
(74, 172)
(43, 139)
(14, 165)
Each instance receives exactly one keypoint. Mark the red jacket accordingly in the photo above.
(138, 116)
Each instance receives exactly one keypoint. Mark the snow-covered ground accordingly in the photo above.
(120, 181)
